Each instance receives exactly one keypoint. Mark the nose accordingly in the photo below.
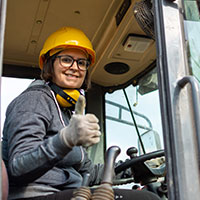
(74, 65)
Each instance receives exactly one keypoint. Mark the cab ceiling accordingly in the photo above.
(30, 22)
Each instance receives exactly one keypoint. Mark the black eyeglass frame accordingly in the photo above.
(73, 60)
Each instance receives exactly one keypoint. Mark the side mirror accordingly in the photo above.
(151, 142)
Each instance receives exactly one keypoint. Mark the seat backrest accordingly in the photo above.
(5, 186)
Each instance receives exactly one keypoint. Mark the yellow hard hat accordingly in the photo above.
(67, 37)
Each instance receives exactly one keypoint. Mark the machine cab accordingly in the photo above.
(145, 82)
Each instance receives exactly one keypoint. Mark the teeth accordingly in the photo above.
(70, 75)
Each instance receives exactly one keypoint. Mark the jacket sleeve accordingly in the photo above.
(30, 153)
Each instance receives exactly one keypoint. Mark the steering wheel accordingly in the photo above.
(142, 172)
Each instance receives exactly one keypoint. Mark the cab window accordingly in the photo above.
(133, 111)
(192, 29)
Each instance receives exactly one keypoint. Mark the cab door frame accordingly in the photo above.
(3, 5)
(180, 102)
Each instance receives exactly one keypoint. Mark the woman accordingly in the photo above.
(42, 137)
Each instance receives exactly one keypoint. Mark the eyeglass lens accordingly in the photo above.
(67, 61)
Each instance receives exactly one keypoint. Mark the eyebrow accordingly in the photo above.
(75, 58)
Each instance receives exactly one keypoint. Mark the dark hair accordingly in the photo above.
(48, 71)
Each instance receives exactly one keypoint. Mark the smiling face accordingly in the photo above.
(70, 77)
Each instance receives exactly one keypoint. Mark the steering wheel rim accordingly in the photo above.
(137, 160)
(127, 164)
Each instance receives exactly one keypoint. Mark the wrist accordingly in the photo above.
(64, 139)
(58, 146)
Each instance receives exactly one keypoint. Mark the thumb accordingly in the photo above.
(80, 105)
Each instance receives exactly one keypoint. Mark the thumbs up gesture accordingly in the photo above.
(82, 129)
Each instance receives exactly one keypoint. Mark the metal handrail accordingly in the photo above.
(125, 121)
(195, 100)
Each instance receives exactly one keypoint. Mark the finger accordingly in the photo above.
(93, 127)
(91, 118)
(96, 134)
(92, 141)
(80, 105)
(95, 140)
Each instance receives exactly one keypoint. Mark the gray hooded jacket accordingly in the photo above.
(37, 161)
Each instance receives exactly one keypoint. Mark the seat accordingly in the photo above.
(5, 185)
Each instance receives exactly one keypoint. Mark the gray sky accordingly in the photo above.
(10, 88)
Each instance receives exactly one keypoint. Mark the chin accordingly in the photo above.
(71, 86)
(68, 85)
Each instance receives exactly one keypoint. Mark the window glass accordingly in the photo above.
(192, 28)
(10, 88)
(144, 103)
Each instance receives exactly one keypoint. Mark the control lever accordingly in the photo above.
(105, 191)
(83, 193)
(132, 152)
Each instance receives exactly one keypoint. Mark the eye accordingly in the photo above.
(66, 59)
(82, 62)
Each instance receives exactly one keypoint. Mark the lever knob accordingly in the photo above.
(132, 152)
(111, 156)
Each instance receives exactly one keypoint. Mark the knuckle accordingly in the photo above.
(91, 117)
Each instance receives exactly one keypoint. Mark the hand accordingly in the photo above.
(82, 129)
(127, 173)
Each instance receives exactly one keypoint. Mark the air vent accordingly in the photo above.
(116, 68)
(122, 11)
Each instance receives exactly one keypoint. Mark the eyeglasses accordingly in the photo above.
(68, 61)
